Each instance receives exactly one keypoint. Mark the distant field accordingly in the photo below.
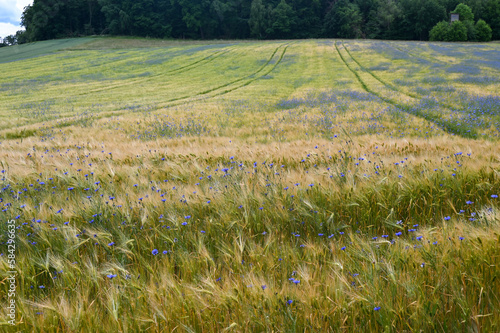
(311, 185)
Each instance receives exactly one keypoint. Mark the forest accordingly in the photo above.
(262, 19)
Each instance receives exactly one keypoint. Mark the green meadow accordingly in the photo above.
(249, 186)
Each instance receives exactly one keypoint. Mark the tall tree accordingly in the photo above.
(343, 20)
(464, 12)
(259, 19)
(283, 19)
(492, 17)
(387, 13)
(483, 31)
(419, 16)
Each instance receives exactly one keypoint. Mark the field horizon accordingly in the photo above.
(242, 186)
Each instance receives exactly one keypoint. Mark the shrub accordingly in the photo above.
(471, 31)
(439, 32)
(465, 12)
(457, 32)
(483, 31)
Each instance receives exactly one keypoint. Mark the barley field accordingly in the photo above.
(244, 186)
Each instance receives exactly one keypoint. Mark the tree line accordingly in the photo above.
(257, 19)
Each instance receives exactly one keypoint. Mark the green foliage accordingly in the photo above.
(457, 32)
(283, 19)
(261, 19)
(465, 12)
(387, 13)
(471, 30)
(440, 31)
(419, 16)
(483, 31)
(343, 20)
(492, 17)
(258, 20)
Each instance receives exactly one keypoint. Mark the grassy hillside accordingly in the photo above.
(315, 185)
(36, 49)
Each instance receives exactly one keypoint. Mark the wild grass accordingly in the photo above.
(258, 186)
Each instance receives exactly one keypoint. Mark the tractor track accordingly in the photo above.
(263, 70)
(193, 65)
(247, 81)
(403, 107)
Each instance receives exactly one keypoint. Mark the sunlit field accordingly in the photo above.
(279, 186)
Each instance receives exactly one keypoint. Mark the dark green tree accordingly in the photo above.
(492, 17)
(457, 32)
(10, 40)
(259, 19)
(308, 18)
(471, 30)
(343, 20)
(440, 31)
(196, 16)
(483, 31)
(419, 16)
(464, 11)
(387, 13)
(283, 20)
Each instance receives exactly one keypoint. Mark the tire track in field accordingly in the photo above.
(435, 119)
(247, 80)
(390, 86)
(386, 84)
(188, 67)
(358, 77)
(203, 95)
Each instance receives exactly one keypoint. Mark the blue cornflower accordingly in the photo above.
(111, 276)
(154, 252)
(376, 308)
